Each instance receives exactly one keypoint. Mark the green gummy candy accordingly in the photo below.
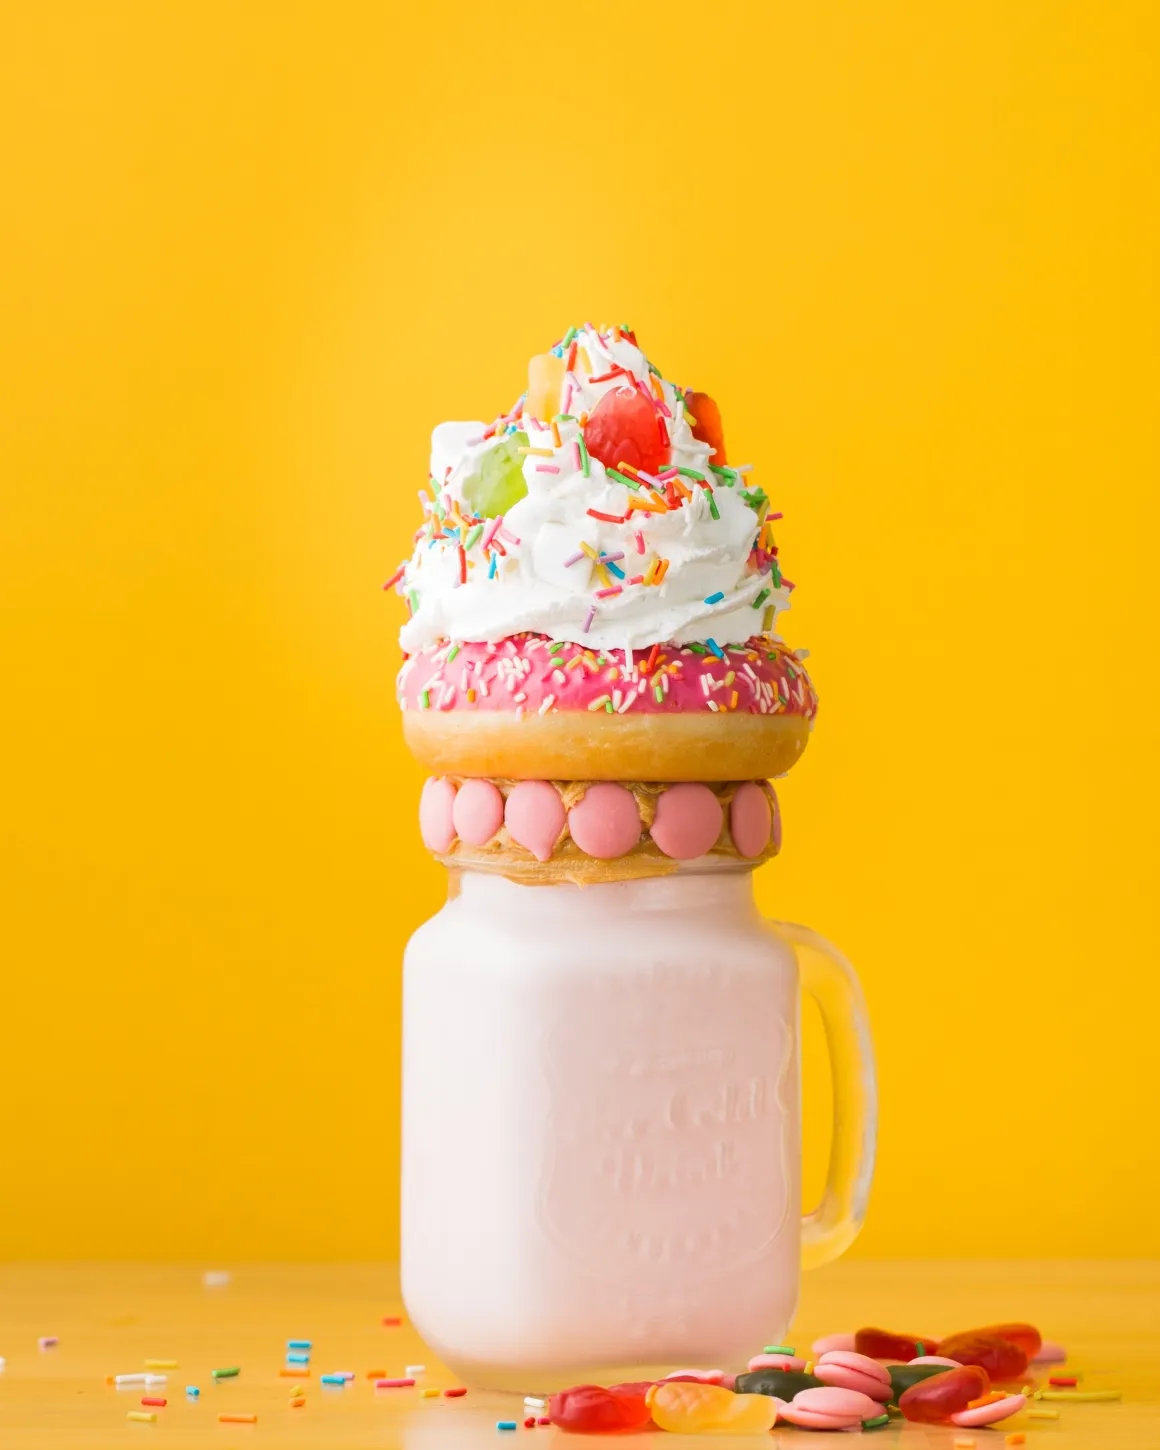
(902, 1376)
(499, 482)
(782, 1383)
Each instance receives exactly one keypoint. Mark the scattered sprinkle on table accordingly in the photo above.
(535, 1402)
(293, 1358)
(47, 1341)
(1063, 1381)
(399, 1384)
(160, 1364)
(428, 1394)
(1043, 1414)
(226, 1374)
(456, 1393)
(506, 1425)
(964, 1442)
(144, 1417)
(299, 1344)
(778, 1349)
(297, 1401)
(530, 1423)
(237, 1419)
(543, 1420)
(153, 1400)
(192, 1391)
(415, 1369)
(333, 1379)
(391, 1321)
(288, 1372)
(215, 1278)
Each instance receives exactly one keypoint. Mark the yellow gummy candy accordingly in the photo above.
(545, 377)
(694, 1409)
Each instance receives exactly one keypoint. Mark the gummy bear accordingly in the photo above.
(944, 1395)
(708, 425)
(545, 376)
(783, 1384)
(882, 1344)
(593, 1409)
(1026, 1336)
(692, 1409)
(622, 428)
(499, 482)
(903, 1376)
(1002, 1359)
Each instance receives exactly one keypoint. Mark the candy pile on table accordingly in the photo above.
(854, 1381)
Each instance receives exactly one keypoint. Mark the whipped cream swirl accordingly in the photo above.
(548, 566)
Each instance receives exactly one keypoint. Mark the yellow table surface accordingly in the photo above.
(109, 1319)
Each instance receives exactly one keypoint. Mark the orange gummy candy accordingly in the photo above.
(708, 426)
(691, 1409)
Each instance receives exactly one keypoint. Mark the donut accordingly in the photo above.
(528, 709)
(594, 594)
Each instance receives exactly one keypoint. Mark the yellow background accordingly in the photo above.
(251, 253)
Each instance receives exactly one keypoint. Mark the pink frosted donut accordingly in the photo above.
(1049, 1353)
(936, 1359)
(750, 820)
(687, 821)
(534, 816)
(477, 812)
(777, 1361)
(848, 1370)
(606, 823)
(697, 1376)
(989, 1414)
(436, 814)
(830, 1342)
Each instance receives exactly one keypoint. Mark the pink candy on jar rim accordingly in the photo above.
(534, 816)
(849, 1370)
(687, 822)
(989, 1414)
(606, 823)
(436, 810)
(1049, 1353)
(751, 820)
(477, 812)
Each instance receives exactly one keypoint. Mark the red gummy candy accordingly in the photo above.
(1001, 1358)
(708, 427)
(1026, 1336)
(623, 428)
(881, 1344)
(943, 1395)
(592, 1409)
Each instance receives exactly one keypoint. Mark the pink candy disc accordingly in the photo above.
(831, 1400)
(829, 1342)
(847, 1370)
(750, 825)
(777, 1361)
(936, 1359)
(1049, 1353)
(605, 824)
(697, 1376)
(534, 815)
(828, 1408)
(478, 811)
(988, 1414)
(688, 821)
(436, 808)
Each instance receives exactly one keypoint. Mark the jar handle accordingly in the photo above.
(830, 980)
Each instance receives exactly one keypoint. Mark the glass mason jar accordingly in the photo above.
(601, 1125)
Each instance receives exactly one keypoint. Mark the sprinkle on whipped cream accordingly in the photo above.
(528, 531)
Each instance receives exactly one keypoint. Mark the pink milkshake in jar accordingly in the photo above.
(601, 1133)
